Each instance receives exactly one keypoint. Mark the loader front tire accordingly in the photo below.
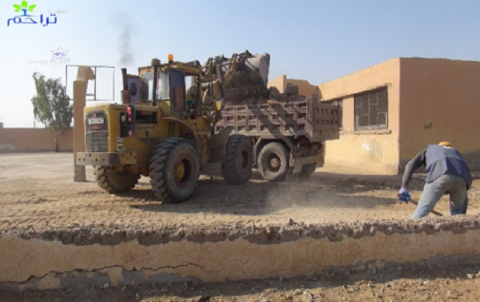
(114, 181)
(237, 166)
(174, 170)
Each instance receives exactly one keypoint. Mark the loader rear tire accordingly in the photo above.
(273, 162)
(237, 167)
(174, 170)
(114, 181)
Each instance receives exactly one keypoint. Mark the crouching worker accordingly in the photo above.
(447, 173)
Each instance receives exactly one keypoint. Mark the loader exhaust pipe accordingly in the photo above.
(125, 92)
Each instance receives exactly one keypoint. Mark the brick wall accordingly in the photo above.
(33, 140)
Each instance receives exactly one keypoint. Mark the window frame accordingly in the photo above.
(373, 112)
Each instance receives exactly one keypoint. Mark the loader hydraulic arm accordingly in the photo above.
(215, 80)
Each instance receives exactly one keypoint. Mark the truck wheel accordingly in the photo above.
(308, 169)
(114, 181)
(237, 167)
(174, 170)
(273, 162)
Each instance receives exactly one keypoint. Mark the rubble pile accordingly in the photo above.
(243, 80)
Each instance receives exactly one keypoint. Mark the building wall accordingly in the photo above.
(304, 87)
(33, 140)
(279, 82)
(368, 150)
(440, 102)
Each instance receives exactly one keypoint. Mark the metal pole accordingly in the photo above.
(113, 82)
(66, 78)
(95, 85)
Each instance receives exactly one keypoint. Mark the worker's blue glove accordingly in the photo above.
(403, 195)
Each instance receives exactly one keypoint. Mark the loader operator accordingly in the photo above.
(447, 173)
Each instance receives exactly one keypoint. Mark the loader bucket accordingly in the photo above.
(247, 84)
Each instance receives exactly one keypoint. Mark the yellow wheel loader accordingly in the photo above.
(170, 127)
(164, 128)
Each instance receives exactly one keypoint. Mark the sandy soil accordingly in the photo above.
(37, 191)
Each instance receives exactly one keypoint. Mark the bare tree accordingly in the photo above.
(51, 105)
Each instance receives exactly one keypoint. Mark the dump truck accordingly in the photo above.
(288, 131)
(166, 126)
(287, 137)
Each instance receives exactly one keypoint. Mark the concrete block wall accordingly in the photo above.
(33, 140)
(78, 256)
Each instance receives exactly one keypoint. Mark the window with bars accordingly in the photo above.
(338, 102)
(371, 110)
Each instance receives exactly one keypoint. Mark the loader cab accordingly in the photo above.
(145, 86)
(184, 94)
(178, 102)
(176, 83)
(181, 88)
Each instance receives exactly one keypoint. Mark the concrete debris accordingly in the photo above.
(113, 234)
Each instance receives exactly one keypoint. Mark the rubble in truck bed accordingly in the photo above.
(248, 85)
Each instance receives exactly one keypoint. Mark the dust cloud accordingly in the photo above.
(300, 200)
(319, 199)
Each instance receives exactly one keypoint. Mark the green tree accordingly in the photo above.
(51, 105)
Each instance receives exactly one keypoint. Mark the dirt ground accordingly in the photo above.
(37, 191)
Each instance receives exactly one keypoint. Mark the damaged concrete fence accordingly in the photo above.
(81, 256)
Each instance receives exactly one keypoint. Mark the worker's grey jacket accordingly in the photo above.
(438, 160)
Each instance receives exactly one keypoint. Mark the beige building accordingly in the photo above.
(393, 110)
(304, 87)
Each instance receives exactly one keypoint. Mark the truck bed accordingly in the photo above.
(310, 118)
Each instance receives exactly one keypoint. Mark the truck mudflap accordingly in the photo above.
(106, 158)
(299, 162)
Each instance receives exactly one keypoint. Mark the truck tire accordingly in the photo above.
(273, 162)
(308, 169)
(114, 181)
(174, 170)
(237, 167)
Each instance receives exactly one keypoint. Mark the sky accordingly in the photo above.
(314, 40)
